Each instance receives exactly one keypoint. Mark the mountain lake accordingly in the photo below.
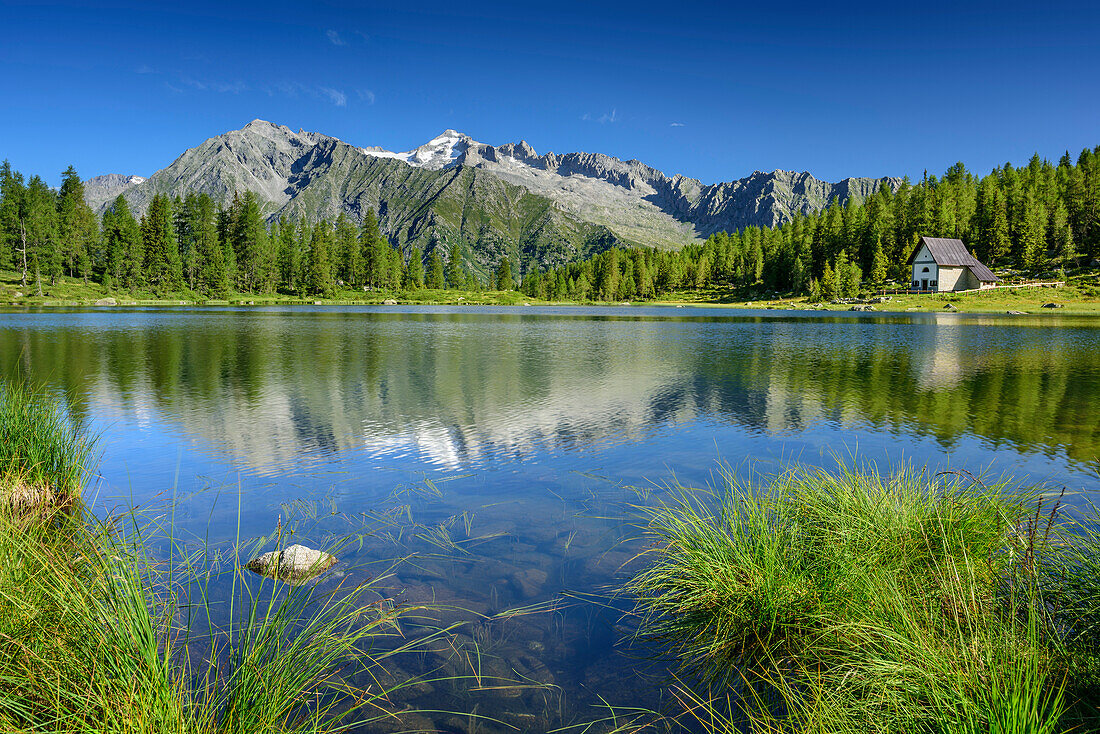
(492, 461)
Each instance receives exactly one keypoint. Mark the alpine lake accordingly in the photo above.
(491, 462)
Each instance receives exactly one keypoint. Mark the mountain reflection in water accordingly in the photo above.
(270, 389)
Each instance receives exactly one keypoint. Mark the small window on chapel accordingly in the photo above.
(924, 270)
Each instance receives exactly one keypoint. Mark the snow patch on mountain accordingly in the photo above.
(442, 151)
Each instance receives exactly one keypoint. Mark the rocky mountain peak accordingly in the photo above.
(308, 172)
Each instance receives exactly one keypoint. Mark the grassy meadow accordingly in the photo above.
(1080, 295)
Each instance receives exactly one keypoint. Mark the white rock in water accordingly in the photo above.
(295, 563)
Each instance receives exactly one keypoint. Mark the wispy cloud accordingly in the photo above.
(229, 87)
(334, 38)
(676, 124)
(365, 95)
(202, 85)
(335, 96)
(145, 69)
(603, 119)
(362, 35)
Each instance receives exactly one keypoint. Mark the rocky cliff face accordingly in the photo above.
(101, 190)
(643, 203)
(546, 208)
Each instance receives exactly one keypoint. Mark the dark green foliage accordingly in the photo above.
(503, 278)
(123, 247)
(382, 263)
(1038, 217)
(162, 257)
(1023, 217)
(414, 270)
(349, 253)
(251, 247)
(211, 275)
(456, 275)
(320, 281)
(434, 278)
(43, 248)
(78, 230)
(288, 257)
(13, 215)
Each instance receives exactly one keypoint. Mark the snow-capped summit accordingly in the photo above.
(440, 152)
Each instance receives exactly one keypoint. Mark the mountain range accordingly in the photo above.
(495, 200)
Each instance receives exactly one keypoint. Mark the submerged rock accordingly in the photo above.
(296, 563)
(1016, 313)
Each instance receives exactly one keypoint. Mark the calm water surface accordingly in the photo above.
(505, 448)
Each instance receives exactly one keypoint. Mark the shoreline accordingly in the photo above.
(937, 306)
(1079, 297)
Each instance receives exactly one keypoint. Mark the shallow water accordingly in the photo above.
(507, 447)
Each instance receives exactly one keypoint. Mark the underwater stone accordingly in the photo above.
(295, 563)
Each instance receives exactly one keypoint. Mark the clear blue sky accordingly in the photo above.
(710, 90)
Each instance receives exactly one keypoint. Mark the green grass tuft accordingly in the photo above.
(853, 601)
(43, 455)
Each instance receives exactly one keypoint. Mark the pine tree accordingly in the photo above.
(211, 275)
(13, 196)
(288, 256)
(878, 262)
(162, 257)
(249, 239)
(1000, 240)
(830, 288)
(503, 280)
(848, 276)
(1061, 235)
(434, 277)
(78, 229)
(124, 252)
(350, 253)
(303, 239)
(1032, 239)
(42, 235)
(414, 270)
(320, 260)
(456, 278)
(375, 252)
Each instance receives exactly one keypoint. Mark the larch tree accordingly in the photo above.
(78, 228)
(320, 281)
(414, 270)
(13, 200)
(434, 278)
(44, 252)
(162, 257)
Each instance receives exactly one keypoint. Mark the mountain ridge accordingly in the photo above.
(540, 208)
